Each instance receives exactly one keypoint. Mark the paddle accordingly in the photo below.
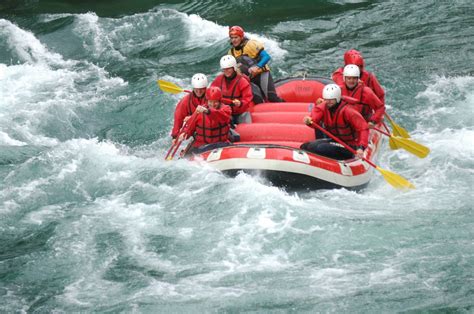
(393, 179)
(174, 147)
(408, 144)
(391, 142)
(172, 88)
(397, 129)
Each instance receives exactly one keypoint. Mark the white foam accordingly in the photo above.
(447, 102)
(44, 88)
(43, 214)
(445, 90)
(96, 38)
(204, 33)
(2, 70)
(457, 144)
(5, 139)
(27, 47)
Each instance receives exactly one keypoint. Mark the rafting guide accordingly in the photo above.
(253, 61)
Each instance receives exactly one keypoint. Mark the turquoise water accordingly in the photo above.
(93, 219)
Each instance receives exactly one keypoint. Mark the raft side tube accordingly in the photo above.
(279, 117)
(275, 132)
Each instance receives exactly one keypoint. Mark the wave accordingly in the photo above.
(42, 93)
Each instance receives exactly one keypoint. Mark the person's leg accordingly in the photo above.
(327, 148)
(267, 86)
(272, 94)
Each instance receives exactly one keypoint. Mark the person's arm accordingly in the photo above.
(179, 115)
(316, 116)
(246, 99)
(264, 58)
(375, 104)
(359, 124)
(221, 115)
(377, 88)
(193, 121)
(338, 77)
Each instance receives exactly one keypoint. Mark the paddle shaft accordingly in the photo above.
(385, 126)
(383, 132)
(389, 118)
(174, 148)
(170, 87)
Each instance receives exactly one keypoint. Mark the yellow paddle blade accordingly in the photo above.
(411, 146)
(395, 180)
(393, 145)
(169, 87)
(398, 130)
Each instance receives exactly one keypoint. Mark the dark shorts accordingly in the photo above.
(327, 148)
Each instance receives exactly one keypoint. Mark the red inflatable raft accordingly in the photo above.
(270, 140)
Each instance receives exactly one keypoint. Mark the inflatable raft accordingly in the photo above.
(270, 138)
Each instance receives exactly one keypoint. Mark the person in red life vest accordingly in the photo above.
(253, 60)
(187, 105)
(211, 125)
(235, 87)
(343, 121)
(354, 57)
(366, 102)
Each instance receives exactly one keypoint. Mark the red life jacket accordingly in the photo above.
(367, 77)
(208, 132)
(358, 93)
(238, 88)
(337, 125)
(345, 123)
(184, 108)
(368, 104)
(211, 128)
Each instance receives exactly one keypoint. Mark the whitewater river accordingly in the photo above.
(92, 219)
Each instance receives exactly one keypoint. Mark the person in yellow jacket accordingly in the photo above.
(253, 60)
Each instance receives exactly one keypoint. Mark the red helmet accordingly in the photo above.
(357, 60)
(348, 55)
(236, 31)
(213, 93)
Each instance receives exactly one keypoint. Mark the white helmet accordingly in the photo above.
(228, 61)
(351, 70)
(332, 91)
(199, 80)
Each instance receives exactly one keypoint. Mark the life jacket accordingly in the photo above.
(185, 107)
(209, 131)
(233, 90)
(250, 48)
(338, 126)
(358, 93)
